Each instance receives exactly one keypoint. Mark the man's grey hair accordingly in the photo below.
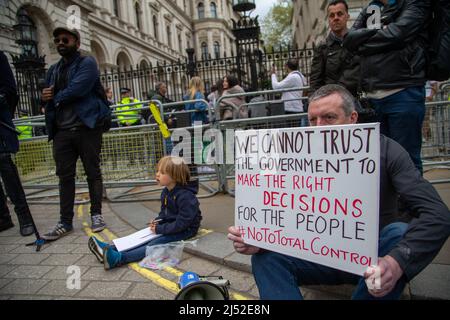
(348, 101)
(159, 85)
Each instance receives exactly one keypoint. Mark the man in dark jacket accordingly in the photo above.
(9, 143)
(332, 63)
(75, 115)
(393, 64)
(160, 94)
(404, 249)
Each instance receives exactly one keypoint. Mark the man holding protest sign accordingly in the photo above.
(404, 249)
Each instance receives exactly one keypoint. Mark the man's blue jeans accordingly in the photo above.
(138, 253)
(278, 276)
(401, 116)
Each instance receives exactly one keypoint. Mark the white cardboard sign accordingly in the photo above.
(311, 193)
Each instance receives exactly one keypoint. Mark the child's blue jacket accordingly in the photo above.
(180, 209)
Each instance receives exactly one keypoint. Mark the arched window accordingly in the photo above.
(216, 49)
(201, 10)
(137, 11)
(143, 65)
(169, 36)
(204, 50)
(213, 10)
(155, 27)
(27, 33)
(123, 61)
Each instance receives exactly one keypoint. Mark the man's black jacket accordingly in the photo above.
(9, 142)
(429, 227)
(333, 64)
(394, 56)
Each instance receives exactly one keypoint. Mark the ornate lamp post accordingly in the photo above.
(29, 65)
(190, 62)
(243, 5)
(247, 33)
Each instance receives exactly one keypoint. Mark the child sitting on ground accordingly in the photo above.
(179, 218)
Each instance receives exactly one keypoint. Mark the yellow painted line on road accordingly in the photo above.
(202, 233)
(80, 211)
(109, 234)
(238, 296)
(89, 232)
(154, 277)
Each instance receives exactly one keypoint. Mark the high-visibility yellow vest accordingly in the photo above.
(127, 115)
(26, 132)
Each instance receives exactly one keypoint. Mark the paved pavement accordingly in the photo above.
(53, 272)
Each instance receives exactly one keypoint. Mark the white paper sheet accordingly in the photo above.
(135, 239)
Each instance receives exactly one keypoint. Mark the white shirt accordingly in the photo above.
(293, 80)
(381, 94)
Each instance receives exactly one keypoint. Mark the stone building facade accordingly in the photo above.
(310, 23)
(124, 33)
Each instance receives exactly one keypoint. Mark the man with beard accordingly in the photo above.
(75, 115)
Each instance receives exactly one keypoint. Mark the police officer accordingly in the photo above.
(128, 115)
(26, 131)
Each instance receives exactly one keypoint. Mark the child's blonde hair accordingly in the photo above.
(176, 168)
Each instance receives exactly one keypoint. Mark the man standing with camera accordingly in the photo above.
(75, 114)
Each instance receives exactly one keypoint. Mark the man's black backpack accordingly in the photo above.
(438, 67)
(106, 122)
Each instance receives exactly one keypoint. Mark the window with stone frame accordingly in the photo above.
(213, 8)
(169, 36)
(116, 10)
(216, 49)
(201, 10)
(138, 15)
(205, 52)
(155, 27)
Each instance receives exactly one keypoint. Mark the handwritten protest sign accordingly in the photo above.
(311, 193)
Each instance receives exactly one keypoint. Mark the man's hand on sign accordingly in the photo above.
(390, 272)
(238, 243)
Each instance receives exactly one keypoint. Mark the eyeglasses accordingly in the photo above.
(63, 40)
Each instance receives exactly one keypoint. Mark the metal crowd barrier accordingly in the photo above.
(436, 133)
(128, 160)
(130, 154)
(436, 130)
(265, 122)
(436, 146)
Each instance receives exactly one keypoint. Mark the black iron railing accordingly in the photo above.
(251, 68)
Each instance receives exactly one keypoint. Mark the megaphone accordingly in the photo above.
(194, 287)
